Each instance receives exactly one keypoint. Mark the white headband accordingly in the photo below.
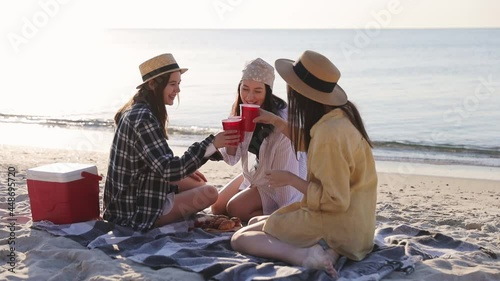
(260, 71)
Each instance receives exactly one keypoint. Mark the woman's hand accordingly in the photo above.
(198, 176)
(279, 123)
(279, 178)
(228, 138)
(265, 117)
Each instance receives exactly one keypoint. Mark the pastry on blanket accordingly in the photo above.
(203, 220)
(237, 221)
(226, 225)
(218, 222)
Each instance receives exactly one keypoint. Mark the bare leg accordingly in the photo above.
(188, 203)
(257, 219)
(252, 240)
(227, 192)
(245, 205)
(188, 183)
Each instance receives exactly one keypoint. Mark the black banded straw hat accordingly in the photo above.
(157, 66)
(313, 76)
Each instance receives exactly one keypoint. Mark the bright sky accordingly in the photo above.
(251, 13)
(35, 33)
(313, 13)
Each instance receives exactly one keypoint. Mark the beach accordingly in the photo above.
(423, 75)
(465, 208)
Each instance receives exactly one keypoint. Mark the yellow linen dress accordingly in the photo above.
(340, 202)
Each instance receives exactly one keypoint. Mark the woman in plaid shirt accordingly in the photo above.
(146, 185)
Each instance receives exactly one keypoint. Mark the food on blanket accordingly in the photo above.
(217, 222)
(237, 221)
(226, 225)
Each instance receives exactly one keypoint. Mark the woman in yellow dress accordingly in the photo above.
(337, 213)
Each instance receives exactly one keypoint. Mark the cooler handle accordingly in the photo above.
(91, 176)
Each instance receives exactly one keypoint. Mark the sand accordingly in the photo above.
(465, 206)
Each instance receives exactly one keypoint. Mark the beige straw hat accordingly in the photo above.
(313, 76)
(157, 66)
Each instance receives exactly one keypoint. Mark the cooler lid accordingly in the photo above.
(60, 172)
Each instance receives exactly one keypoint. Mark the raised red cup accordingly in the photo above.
(242, 132)
(232, 123)
(248, 113)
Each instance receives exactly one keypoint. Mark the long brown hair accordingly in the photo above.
(303, 113)
(151, 97)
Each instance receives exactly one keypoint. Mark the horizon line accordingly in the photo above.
(314, 28)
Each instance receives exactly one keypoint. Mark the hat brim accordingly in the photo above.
(284, 67)
(182, 70)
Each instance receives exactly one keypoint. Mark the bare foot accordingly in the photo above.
(318, 258)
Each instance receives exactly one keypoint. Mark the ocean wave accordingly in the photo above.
(93, 123)
(438, 148)
(386, 150)
(57, 122)
(438, 154)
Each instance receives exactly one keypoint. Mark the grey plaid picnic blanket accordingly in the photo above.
(179, 245)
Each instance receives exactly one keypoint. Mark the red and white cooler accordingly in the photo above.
(64, 192)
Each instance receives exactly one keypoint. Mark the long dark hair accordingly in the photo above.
(153, 98)
(303, 113)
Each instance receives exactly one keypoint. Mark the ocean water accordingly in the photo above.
(430, 96)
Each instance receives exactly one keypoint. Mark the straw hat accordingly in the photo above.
(313, 76)
(157, 66)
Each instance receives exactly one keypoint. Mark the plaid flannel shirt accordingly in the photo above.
(141, 167)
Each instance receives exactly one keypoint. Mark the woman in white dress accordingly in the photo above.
(265, 149)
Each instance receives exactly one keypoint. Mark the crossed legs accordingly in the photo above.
(252, 240)
(243, 204)
(193, 196)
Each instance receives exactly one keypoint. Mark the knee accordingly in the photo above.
(205, 196)
(234, 209)
(236, 242)
(211, 193)
(254, 220)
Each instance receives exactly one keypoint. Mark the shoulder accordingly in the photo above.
(140, 112)
(283, 112)
(140, 109)
(280, 107)
(138, 116)
(334, 127)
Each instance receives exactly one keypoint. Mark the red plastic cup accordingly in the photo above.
(232, 124)
(248, 113)
(242, 132)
